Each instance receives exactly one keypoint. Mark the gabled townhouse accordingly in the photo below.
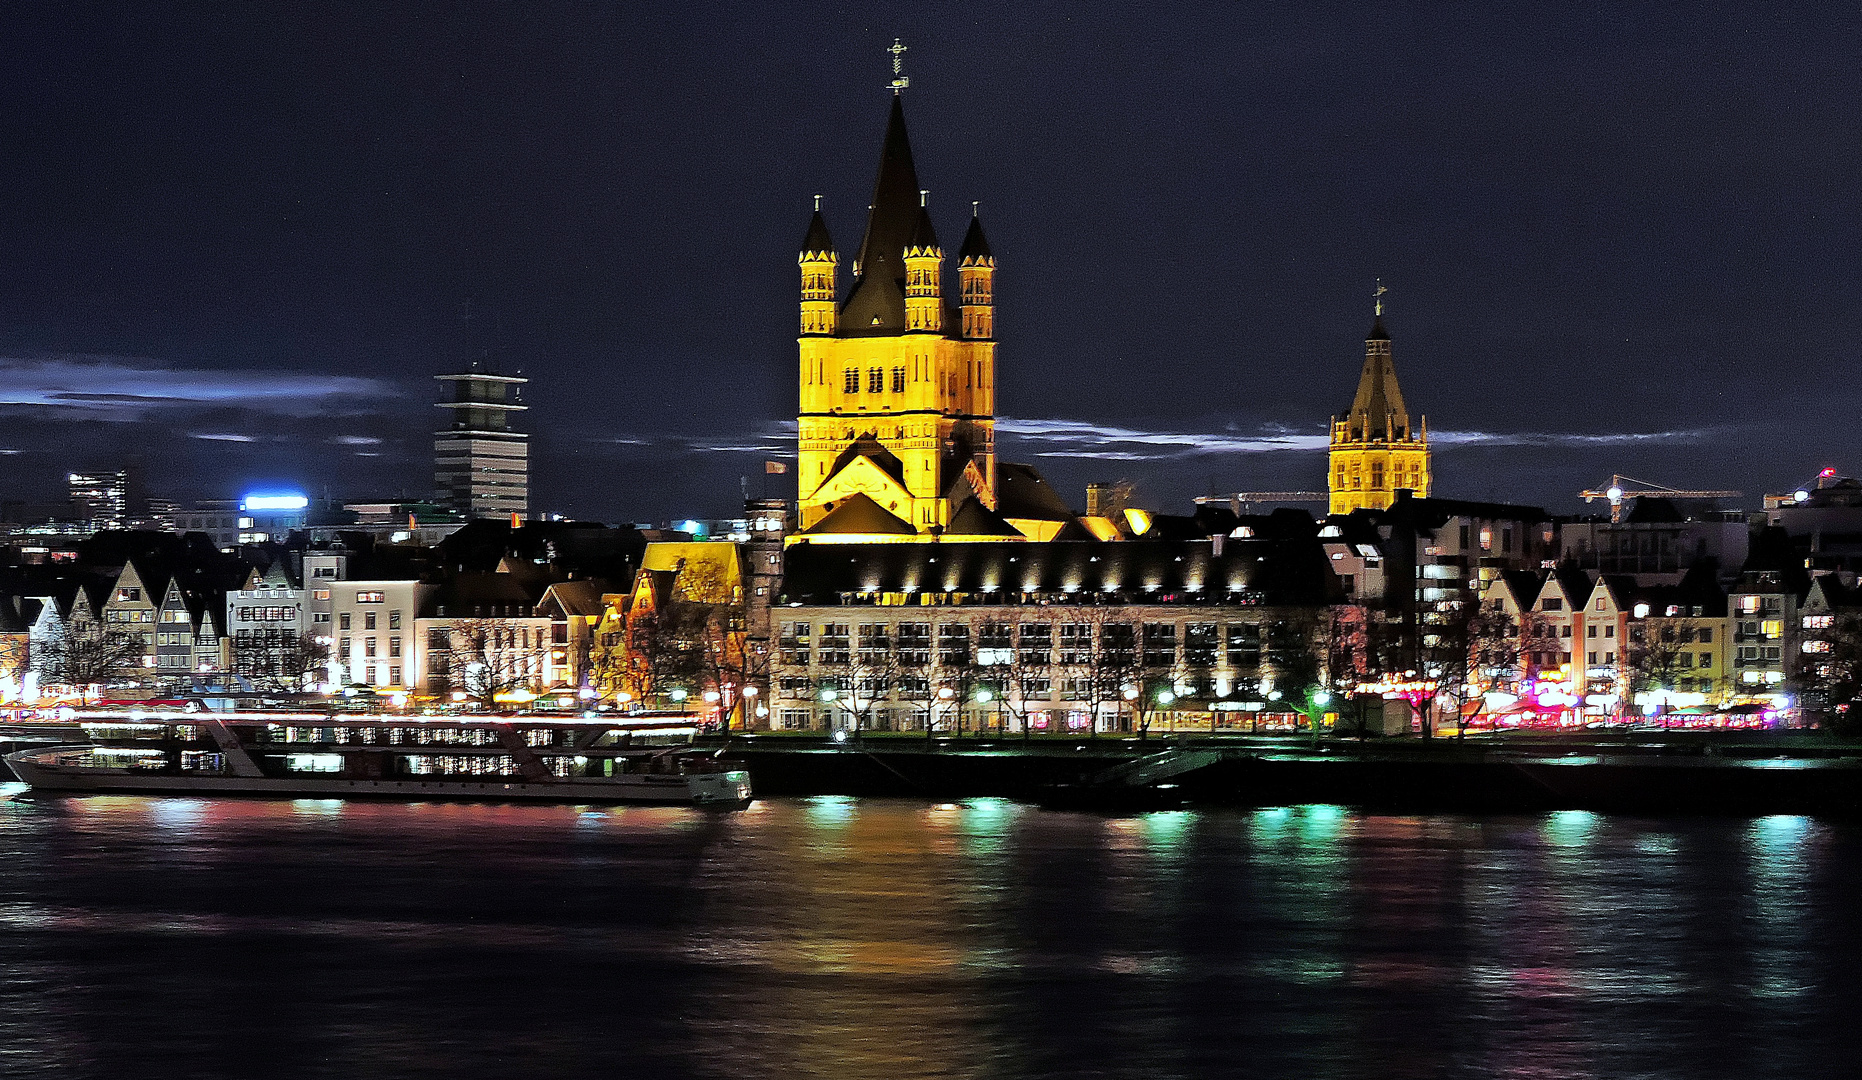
(1830, 638)
(1765, 603)
(131, 604)
(271, 635)
(575, 609)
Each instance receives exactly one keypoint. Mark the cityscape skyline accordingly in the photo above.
(208, 264)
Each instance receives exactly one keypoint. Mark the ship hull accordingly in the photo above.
(722, 790)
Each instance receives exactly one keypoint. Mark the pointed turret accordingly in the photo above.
(976, 279)
(924, 274)
(1377, 412)
(820, 276)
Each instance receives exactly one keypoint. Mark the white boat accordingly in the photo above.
(459, 757)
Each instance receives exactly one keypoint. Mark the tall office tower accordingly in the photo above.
(102, 498)
(481, 468)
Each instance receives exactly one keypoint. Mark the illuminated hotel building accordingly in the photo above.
(481, 468)
(1375, 450)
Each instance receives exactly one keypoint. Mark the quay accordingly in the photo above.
(1647, 772)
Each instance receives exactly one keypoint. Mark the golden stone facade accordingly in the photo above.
(1375, 450)
(897, 379)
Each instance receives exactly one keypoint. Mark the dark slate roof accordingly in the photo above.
(975, 519)
(1432, 513)
(817, 242)
(876, 306)
(880, 269)
(1022, 492)
(1576, 583)
(858, 513)
(1377, 410)
(1257, 571)
(1378, 333)
(975, 244)
(487, 595)
(1524, 585)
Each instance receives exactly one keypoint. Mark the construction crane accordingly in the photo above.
(1620, 488)
(1237, 500)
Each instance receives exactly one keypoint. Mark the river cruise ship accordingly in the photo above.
(622, 759)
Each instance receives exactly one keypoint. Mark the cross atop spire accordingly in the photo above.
(899, 81)
(1378, 297)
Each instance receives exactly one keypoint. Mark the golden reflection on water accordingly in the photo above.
(874, 974)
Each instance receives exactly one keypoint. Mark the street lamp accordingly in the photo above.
(678, 696)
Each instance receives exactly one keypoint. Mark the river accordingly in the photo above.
(829, 937)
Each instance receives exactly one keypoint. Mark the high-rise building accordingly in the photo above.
(481, 468)
(1375, 450)
(897, 424)
(101, 498)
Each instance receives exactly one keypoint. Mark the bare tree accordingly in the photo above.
(85, 655)
(1653, 660)
(490, 657)
(280, 660)
(869, 676)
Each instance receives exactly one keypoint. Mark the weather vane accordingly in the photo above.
(1378, 296)
(899, 81)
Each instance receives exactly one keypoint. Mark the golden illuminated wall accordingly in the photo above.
(916, 393)
(1367, 474)
(1375, 451)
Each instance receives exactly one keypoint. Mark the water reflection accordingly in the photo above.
(846, 938)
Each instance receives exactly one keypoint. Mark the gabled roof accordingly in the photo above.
(477, 595)
(1021, 492)
(1523, 586)
(582, 597)
(868, 446)
(1575, 584)
(975, 519)
(858, 513)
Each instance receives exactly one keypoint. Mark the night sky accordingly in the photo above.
(237, 241)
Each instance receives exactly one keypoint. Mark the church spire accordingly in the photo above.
(876, 306)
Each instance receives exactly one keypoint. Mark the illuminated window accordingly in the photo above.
(368, 598)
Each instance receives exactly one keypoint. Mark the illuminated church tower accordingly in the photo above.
(897, 424)
(1375, 450)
